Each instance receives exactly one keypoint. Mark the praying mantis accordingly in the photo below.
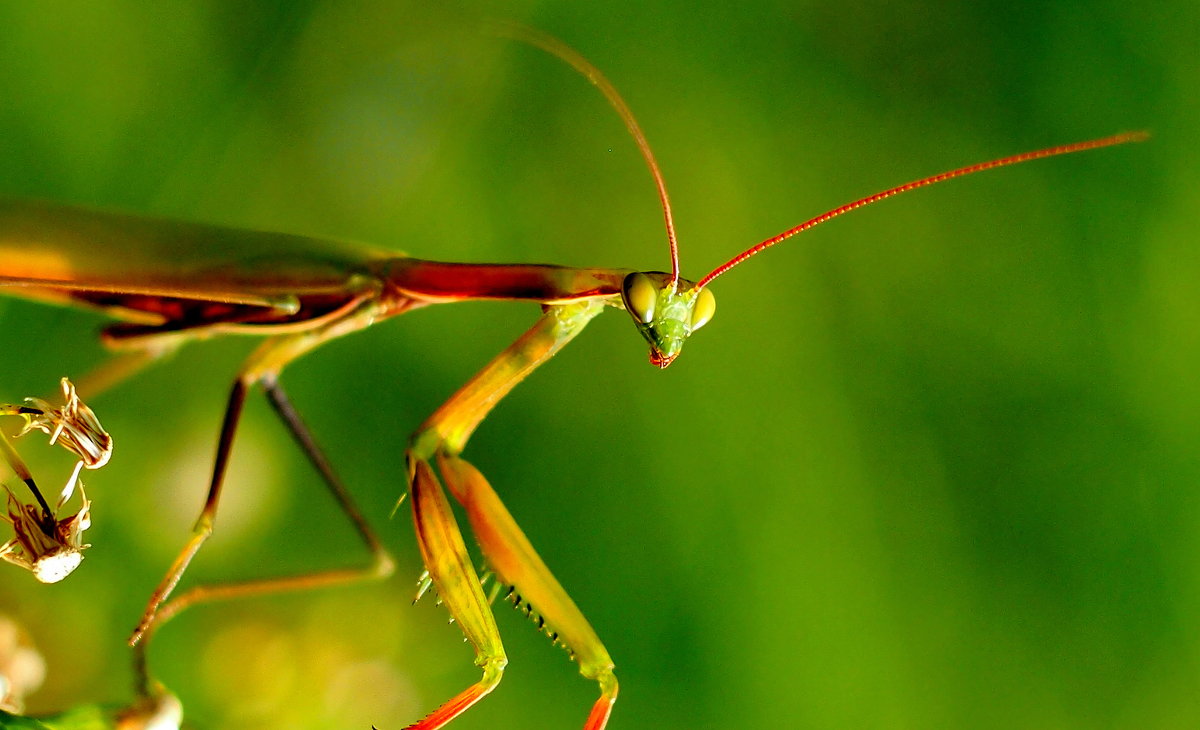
(173, 283)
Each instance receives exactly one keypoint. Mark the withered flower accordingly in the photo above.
(48, 547)
(73, 426)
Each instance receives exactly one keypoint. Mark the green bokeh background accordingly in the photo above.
(932, 466)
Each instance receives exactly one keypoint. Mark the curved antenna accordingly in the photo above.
(555, 47)
(942, 177)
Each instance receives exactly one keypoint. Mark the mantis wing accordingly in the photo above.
(131, 266)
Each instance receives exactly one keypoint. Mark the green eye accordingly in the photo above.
(703, 309)
(640, 297)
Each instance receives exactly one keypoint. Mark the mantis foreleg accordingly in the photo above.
(507, 550)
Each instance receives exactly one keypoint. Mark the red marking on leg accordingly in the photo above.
(455, 707)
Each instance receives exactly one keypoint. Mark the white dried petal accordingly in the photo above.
(68, 489)
(53, 568)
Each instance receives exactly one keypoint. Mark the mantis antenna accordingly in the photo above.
(1115, 139)
(567, 54)
(557, 48)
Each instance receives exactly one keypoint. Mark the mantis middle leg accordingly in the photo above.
(262, 368)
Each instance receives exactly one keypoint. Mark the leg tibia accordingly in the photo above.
(598, 717)
(461, 702)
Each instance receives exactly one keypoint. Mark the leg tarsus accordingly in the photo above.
(381, 567)
(598, 717)
(493, 670)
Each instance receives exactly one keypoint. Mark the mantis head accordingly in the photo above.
(665, 315)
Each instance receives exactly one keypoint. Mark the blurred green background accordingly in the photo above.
(931, 466)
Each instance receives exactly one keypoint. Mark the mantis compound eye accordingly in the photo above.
(640, 297)
(703, 309)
